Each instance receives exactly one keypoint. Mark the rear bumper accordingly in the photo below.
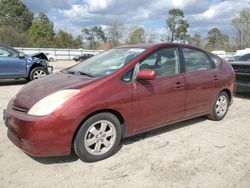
(243, 81)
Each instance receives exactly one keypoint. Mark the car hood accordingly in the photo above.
(39, 56)
(34, 91)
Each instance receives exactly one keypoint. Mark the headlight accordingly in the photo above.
(48, 104)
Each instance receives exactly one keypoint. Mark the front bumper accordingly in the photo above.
(50, 69)
(39, 136)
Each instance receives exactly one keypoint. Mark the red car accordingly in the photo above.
(115, 94)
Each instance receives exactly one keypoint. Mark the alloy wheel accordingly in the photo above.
(100, 137)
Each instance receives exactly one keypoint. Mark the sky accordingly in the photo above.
(202, 15)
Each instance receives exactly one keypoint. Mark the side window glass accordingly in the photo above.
(215, 60)
(164, 62)
(5, 52)
(128, 76)
(195, 60)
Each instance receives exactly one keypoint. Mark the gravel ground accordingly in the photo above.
(194, 153)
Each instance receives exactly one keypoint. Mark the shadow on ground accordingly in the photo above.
(163, 130)
(73, 157)
(9, 82)
(243, 95)
(53, 160)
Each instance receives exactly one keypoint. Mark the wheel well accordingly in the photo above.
(229, 94)
(35, 65)
(114, 112)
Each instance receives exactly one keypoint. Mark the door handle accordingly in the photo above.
(179, 85)
(216, 77)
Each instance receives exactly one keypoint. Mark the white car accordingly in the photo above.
(50, 57)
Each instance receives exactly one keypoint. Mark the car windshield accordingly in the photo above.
(105, 63)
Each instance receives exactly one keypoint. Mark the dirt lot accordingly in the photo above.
(194, 153)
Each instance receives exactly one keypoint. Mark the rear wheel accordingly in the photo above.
(98, 138)
(37, 72)
(220, 107)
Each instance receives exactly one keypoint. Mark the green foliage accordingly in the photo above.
(216, 40)
(11, 37)
(66, 40)
(242, 26)
(136, 35)
(177, 25)
(94, 36)
(15, 20)
(41, 33)
(196, 40)
(13, 13)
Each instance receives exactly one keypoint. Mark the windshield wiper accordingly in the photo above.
(77, 73)
(84, 73)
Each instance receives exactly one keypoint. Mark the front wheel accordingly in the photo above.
(98, 138)
(37, 72)
(220, 107)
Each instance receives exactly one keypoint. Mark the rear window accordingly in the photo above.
(195, 60)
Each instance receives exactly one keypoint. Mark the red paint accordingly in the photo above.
(147, 74)
(143, 104)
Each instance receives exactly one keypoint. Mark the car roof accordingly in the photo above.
(146, 46)
(159, 45)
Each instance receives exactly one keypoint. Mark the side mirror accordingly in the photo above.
(146, 74)
(21, 55)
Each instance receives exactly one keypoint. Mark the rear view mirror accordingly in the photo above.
(146, 74)
(21, 55)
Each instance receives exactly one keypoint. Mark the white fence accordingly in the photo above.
(61, 54)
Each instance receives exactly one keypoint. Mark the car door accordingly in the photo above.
(156, 102)
(10, 63)
(199, 81)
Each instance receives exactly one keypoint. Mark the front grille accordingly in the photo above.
(20, 109)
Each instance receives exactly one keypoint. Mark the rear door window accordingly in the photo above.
(195, 60)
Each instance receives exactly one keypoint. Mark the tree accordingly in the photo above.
(136, 35)
(150, 36)
(196, 40)
(41, 33)
(94, 36)
(177, 25)
(11, 37)
(242, 26)
(216, 40)
(66, 40)
(13, 13)
(15, 20)
(115, 33)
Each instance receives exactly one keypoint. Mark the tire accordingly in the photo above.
(37, 72)
(98, 138)
(220, 107)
